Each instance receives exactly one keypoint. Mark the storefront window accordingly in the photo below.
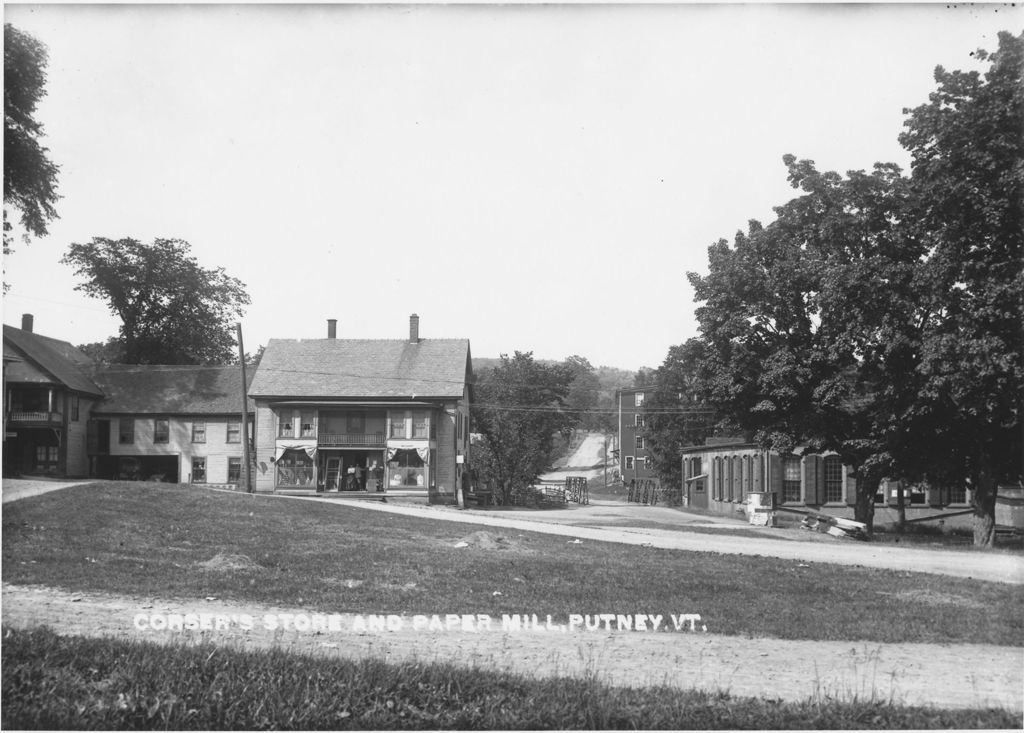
(295, 468)
(407, 470)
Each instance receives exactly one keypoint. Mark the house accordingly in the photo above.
(48, 396)
(635, 460)
(179, 424)
(336, 415)
(718, 475)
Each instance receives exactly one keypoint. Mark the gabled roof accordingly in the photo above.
(64, 362)
(171, 390)
(362, 368)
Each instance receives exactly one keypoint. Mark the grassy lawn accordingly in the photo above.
(159, 540)
(52, 682)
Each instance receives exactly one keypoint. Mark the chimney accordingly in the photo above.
(26, 322)
(414, 329)
(332, 328)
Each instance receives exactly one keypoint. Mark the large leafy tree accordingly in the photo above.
(172, 309)
(30, 177)
(519, 408)
(583, 393)
(967, 178)
(879, 316)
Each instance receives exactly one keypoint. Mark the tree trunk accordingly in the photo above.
(984, 501)
(901, 508)
(864, 505)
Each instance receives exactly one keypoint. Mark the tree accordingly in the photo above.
(519, 408)
(30, 177)
(110, 351)
(583, 392)
(172, 310)
(879, 316)
(967, 178)
(675, 411)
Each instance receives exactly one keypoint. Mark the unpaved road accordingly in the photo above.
(954, 676)
(587, 460)
(14, 489)
(584, 523)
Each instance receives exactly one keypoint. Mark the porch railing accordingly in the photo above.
(374, 439)
(23, 416)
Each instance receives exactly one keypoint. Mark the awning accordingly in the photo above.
(309, 446)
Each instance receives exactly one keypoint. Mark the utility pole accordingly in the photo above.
(247, 476)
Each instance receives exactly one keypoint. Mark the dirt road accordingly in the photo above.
(587, 460)
(956, 676)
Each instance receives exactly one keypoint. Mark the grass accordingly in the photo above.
(54, 682)
(151, 540)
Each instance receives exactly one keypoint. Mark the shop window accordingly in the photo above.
(833, 478)
(307, 424)
(420, 425)
(295, 469)
(126, 431)
(234, 470)
(406, 469)
(234, 432)
(199, 431)
(161, 430)
(791, 479)
(199, 470)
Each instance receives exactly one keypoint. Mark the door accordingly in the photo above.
(332, 474)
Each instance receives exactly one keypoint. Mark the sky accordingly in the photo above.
(532, 178)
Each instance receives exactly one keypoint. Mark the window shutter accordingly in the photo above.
(850, 487)
(775, 476)
(758, 472)
(814, 484)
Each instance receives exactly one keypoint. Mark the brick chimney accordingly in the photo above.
(26, 322)
(332, 328)
(414, 329)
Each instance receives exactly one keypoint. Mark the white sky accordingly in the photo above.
(534, 178)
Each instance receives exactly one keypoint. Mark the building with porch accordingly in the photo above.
(48, 396)
(363, 415)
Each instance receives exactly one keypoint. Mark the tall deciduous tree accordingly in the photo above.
(172, 310)
(583, 393)
(519, 408)
(880, 316)
(967, 177)
(30, 177)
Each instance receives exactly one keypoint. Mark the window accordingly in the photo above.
(46, 457)
(958, 495)
(698, 485)
(199, 470)
(307, 422)
(629, 463)
(285, 426)
(126, 431)
(397, 424)
(234, 470)
(406, 468)
(161, 430)
(74, 407)
(647, 462)
(199, 431)
(234, 432)
(639, 420)
(638, 399)
(790, 478)
(420, 427)
(833, 478)
(295, 468)
(356, 422)
(639, 442)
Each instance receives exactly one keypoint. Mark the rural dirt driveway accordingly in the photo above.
(949, 676)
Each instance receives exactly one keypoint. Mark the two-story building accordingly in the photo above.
(634, 454)
(48, 396)
(337, 415)
(169, 423)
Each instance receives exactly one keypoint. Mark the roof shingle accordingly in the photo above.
(67, 364)
(171, 390)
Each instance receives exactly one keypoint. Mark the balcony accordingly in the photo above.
(25, 416)
(351, 439)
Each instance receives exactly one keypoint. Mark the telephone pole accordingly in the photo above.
(247, 476)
